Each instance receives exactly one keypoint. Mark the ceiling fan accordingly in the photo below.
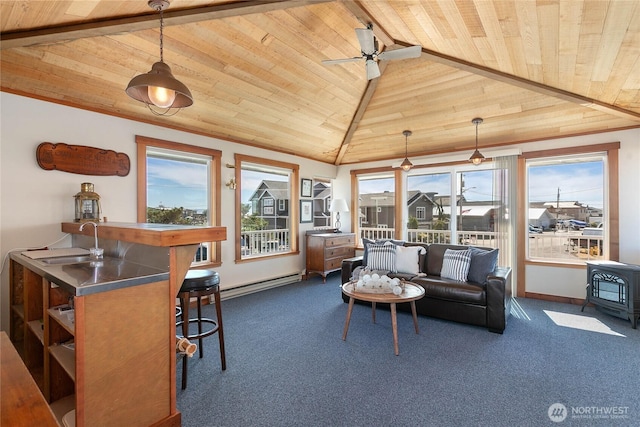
(369, 51)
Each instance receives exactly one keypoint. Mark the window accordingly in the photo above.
(567, 209)
(429, 194)
(264, 185)
(177, 184)
(321, 202)
(376, 206)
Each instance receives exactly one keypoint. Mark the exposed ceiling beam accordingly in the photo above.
(358, 10)
(357, 116)
(129, 24)
(520, 82)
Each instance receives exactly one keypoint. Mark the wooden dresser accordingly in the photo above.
(326, 251)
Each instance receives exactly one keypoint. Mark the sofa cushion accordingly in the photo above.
(382, 257)
(455, 265)
(450, 290)
(483, 262)
(408, 259)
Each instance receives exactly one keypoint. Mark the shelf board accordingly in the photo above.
(62, 406)
(62, 318)
(36, 326)
(66, 358)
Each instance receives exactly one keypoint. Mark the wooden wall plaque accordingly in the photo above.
(81, 159)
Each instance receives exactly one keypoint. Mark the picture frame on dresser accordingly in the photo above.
(306, 211)
(306, 187)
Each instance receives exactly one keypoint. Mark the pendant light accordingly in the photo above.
(158, 89)
(406, 164)
(476, 158)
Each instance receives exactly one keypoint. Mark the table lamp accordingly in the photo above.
(337, 206)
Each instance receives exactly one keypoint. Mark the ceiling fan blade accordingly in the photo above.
(404, 53)
(365, 37)
(341, 61)
(373, 70)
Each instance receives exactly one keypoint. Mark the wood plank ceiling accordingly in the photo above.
(531, 69)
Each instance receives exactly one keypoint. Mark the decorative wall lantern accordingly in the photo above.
(87, 204)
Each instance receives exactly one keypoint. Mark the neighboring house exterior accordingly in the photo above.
(421, 206)
(565, 209)
(321, 203)
(270, 202)
(541, 217)
(377, 210)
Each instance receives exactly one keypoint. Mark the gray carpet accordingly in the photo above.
(288, 366)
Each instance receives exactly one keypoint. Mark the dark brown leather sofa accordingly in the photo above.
(485, 304)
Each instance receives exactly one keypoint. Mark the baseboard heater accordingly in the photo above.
(262, 285)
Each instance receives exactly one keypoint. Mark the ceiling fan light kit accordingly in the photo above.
(406, 164)
(370, 53)
(158, 87)
(477, 157)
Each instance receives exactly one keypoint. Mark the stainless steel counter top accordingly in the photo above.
(93, 276)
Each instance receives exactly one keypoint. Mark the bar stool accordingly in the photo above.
(198, 284)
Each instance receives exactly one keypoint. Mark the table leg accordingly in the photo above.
(373, 312)
(346, 323)
(394, 327)
(415, 316)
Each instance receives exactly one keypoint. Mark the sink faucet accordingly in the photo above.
(95, 252)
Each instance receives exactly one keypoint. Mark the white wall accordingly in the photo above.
(34, 201)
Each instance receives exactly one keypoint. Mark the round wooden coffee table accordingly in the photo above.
(410, 294)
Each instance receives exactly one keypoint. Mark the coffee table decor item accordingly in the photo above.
(377, 284)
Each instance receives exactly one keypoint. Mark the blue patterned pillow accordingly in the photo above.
(455, 265)
(482, 263)
(382, 257)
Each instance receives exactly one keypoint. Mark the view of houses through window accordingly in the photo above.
(266, 223)
(566, 207)
(567, 210)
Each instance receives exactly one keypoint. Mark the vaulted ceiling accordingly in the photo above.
(531, 69)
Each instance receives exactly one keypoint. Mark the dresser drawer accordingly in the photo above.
(332, 264)
(340, 251)
(348, 240)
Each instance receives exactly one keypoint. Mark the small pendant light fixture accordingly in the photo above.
(406, 164)
(158, 87)
(476, 158)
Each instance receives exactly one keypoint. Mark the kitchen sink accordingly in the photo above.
(67, 259)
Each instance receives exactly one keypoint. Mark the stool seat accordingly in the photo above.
(199, 280)
(198, 284)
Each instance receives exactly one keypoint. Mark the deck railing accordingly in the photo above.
(264, 242)
(566, 246)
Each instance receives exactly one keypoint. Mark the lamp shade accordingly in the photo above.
(159, 80)
(338, 205)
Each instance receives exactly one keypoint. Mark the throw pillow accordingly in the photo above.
(482, 263)
(408, 259)
(455, 265)
(367, 242)
(382, 257)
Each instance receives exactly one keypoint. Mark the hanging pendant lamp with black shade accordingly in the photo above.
(406, 165)
(476, 158)
(158, 89)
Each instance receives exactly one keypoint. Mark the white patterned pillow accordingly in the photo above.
(382, 257)
(455, 265)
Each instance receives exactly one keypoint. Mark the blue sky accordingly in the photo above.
(176, 184)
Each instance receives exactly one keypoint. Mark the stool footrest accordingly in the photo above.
(203, 334)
